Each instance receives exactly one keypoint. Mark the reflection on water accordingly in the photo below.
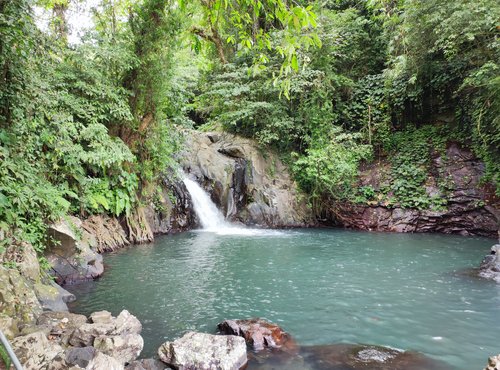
(323, 286)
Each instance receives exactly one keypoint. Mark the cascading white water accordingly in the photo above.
(210, 217)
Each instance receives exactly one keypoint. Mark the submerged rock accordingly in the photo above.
(346, 357)
(490, 266)
(200, 351)
(258, 334)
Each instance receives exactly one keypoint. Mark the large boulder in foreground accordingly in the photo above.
(200, 351)
(490, 266)
(258, 334)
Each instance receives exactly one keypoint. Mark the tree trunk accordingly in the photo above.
(60, 22)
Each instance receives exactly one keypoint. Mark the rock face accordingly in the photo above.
(72, 259)
(200, 351)
(471, 209)
(258, 334)
(493, 363)
(172, 212)
(490, 266)
(246, 184)
(19, 306)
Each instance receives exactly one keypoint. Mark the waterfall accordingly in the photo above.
(210, 217)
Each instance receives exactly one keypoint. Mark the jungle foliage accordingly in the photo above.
(90, 127)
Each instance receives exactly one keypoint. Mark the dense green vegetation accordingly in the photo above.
(91, 127)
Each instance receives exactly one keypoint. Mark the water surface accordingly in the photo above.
(408, 291)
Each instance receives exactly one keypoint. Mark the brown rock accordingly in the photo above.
(258, 334)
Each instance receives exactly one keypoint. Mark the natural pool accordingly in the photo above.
(409, 291)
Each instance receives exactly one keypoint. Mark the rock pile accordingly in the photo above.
(62, 340)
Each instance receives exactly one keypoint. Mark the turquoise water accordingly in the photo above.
(409, 291)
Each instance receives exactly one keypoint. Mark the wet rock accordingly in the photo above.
(493, 363)
(53, 297)
(35, 352)
(344, 357)
(354, 357)
(80, 356)
(490, 266)
(200, 351)
(258, 334)
(124, 348)
(147, 364)
(247, 185)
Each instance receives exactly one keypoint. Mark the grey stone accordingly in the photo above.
(85, 335)
(61, 324)
(104, 362)
(124, 348)
(101, 317)
(80, 356)
(490, 266)
(200, 351)
(127, 323)
(35, 352)
(147, 364)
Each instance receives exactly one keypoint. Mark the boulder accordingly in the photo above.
(101, 317)
(53, 297)
(104, 325)
(200, 351)
(80, 356)
(493, 363)
(70, 256)
(85, 335)
(127, 323)
(35, 351)
(258, 334)
(147, 364)
(490, 266)
(61, 324)
(104, 362)
(124, 348)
